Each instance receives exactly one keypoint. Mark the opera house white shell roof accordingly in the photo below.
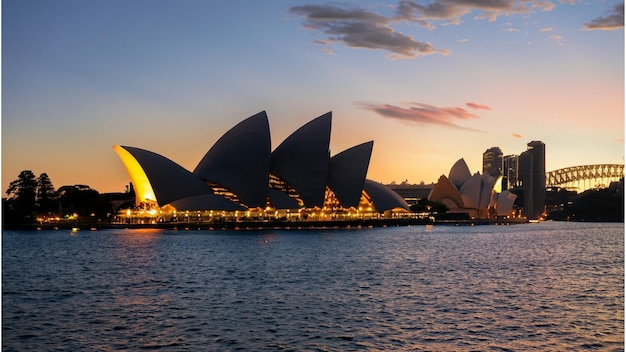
(240, 171)
(475, 194)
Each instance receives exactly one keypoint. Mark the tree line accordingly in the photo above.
(30, 198)
(600, 204)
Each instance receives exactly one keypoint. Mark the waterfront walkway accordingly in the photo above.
(262, 225)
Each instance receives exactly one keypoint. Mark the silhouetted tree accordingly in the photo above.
(78, 199)
(45, 195)
(21, 204)
(599, 205)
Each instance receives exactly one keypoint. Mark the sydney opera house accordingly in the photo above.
(478, 195)
(241, 176)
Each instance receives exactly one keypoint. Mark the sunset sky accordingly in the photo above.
(429, 81)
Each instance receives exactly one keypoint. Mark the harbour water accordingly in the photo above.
(549, 286)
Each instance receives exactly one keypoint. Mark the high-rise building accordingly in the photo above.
(532, 178)
(509, 171)
(492, 161)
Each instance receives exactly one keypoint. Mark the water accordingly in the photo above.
(547, 286)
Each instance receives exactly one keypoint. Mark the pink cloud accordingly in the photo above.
(477, 106)
(516, 135)
(424, 114)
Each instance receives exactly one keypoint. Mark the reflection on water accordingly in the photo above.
(548, 286)
(266, 239)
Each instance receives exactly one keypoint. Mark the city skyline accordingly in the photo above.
(429, 82)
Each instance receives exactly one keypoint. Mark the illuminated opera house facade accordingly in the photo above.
(479, 196)
(241, 177)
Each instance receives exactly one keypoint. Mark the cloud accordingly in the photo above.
(425, 114)
(477, 106)
(355, 27)
(543, 5)
(516, 135)
(438, 10)
(453, 10)
(358, 28)
(614, 20)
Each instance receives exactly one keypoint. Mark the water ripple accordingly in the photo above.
(548, 286)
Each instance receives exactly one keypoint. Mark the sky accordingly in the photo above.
(429, 82)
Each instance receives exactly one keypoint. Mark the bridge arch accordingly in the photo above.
(587, 175)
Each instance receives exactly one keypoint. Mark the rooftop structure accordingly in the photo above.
(480, 196)
(492, 161)
(240, 172)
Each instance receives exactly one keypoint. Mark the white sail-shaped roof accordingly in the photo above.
(459, 173)
(470, 192)
(152, 172)
(445, 192)
(240, 171)
(303, 160)
(487, 183)
(348, 170)
(384, 198)
(240, 160)
(505, 203)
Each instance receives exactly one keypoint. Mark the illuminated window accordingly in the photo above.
(278, 183)
(331, 202)
(223, 191)
(366, 201)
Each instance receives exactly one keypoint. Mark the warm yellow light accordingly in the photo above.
(497, 187)
(143, 188)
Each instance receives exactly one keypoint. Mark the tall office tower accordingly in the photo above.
(532, 175)
(509, 171)
(492, 161)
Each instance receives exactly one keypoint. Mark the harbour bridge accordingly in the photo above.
(585, 176)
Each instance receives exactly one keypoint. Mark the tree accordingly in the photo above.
(599, 205)
(79, 199)
(22, 197)
(45, 194)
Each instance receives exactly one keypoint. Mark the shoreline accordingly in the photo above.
(263, 225)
